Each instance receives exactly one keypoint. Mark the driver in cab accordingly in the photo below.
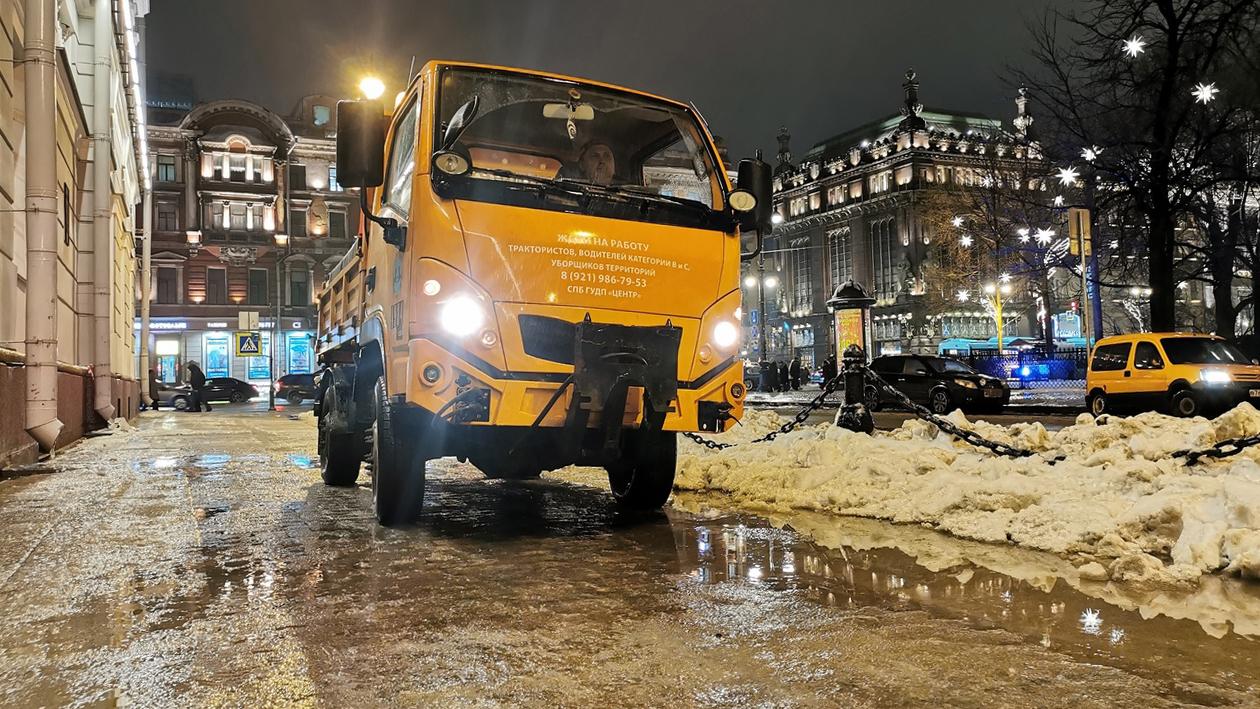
(596, 164)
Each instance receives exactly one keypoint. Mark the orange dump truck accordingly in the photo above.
(549, 276)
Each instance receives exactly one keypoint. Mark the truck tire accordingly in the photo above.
(397, 474)
(644, 477)
(339, 453)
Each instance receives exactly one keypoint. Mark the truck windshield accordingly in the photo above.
(621, 155)
(1201, 350)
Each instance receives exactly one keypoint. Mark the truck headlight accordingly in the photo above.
(725, 334)
(461, 316)
(1215, 376)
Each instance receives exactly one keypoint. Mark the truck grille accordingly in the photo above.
(547, 338)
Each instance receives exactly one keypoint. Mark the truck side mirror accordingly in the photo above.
(360, 143)
(754, 177)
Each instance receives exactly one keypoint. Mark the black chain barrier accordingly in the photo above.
(1220, 449)
(800, 418)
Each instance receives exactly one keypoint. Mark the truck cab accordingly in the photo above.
(548, 276)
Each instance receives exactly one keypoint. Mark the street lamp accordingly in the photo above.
(282, 242)
(995, 292)
(371, 87)
(761, 282)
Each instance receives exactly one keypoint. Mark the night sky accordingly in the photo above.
(819, 66)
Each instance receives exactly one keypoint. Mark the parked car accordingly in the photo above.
(1183, 374)
(939, 383)
(218, 389)
(293, 388)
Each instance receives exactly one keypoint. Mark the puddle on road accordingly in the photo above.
(1210, 634)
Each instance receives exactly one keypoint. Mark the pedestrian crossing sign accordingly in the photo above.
(248, 344)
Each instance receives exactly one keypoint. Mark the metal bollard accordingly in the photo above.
(853, 414)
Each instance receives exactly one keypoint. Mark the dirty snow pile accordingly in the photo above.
(1119, 507)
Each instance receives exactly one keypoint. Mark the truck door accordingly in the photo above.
(387, 266)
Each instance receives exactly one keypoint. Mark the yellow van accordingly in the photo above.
(1184, 374)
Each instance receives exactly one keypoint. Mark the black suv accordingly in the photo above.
(293, 388)
(938, 383)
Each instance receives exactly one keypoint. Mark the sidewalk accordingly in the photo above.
(1066, 396)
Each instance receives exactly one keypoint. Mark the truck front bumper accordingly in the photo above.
(712, 401)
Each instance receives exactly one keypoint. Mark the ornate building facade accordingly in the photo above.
(247, 216)
(854, 207)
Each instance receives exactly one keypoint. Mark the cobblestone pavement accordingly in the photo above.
(199, 561)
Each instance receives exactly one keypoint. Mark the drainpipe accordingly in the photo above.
(41, 223)
(102, 209)
(145, 284)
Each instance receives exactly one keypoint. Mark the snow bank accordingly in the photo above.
(1119, 507)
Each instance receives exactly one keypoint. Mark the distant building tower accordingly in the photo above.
(1023, 120)
(912, 108)
(785, 151)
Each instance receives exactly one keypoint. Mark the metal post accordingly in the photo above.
(1086, 309)
(997, 313)
(765, 320)
(275, 335)
(853, 414)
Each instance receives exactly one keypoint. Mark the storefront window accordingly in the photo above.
(260, 367)
(299, 353)
(217, 363)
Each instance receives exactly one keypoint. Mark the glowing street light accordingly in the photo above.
(1067, 176)
(371, 87)
(771, 281)
(750, 281)
(1134, 46)
(1204, 93)
(776, 218)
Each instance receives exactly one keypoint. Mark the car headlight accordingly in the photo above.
(966, 384)
(725, 334)
(461, 316)
(1215, 376)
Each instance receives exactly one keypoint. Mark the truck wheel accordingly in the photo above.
(644, 477)
(397, 475)
(339, 453)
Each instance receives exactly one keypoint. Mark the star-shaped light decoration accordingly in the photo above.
(1134, 46)
(1067, 176)
(963, 296)
(965, 241)
(1043, 236)
(1005, 278)
(1058, 200)
(956, 221)
(1204, 93)
(1091, 153)
(1023, 234)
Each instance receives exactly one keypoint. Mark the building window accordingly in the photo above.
(884, 246)
(332, 179)
(258, 286)
(299, 287)
(835, 195)
(216, 286)
(297, 222)
(815, 201)
(323, 115)
(238, 167)
(237, 212)
(801, 267)
(336, 224)
(167, 285)
(255, 217)
(166, 168)
(297, 177)
(167, 216)
(840, 249)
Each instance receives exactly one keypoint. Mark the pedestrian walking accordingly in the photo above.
(794, 371)
(785, 382)
(154, 388)
(197, 380)
(829, 369)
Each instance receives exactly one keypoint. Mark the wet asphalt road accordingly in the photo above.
(200, 561)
